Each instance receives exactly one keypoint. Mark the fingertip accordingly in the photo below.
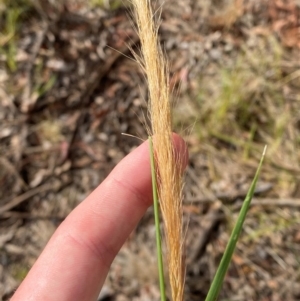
(181, 150)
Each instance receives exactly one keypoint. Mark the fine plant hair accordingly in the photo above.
(167, 163)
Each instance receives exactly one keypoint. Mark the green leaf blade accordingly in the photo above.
(226, 259)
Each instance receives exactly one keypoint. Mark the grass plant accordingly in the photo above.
(246, 99)
(166, 175)
(157, 224)
(226, 259)
(167, 164)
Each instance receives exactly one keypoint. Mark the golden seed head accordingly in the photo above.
(167, 164)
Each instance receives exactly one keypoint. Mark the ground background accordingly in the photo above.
(65, 99)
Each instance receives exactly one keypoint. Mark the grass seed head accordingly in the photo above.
(167, 163)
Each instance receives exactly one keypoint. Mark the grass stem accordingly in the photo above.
(157, 225)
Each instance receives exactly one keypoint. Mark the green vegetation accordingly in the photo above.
(19, 271)
(226, 259)
(239, 106)
(108, 4)
(243, 105)
(11, 13)
(268, 225)
(230, 248)
(44, 87)
(157, 225)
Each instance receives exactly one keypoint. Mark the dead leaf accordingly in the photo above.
(290, 36)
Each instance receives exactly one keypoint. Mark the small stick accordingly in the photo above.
(28, 194)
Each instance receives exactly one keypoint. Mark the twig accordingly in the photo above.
(287, 202)
(12, 169)
(26, 96)
(229, 197)
(207, 224)
(96, 76)
(29, 215)
(28, 194)
(102, 69)
(283, 202)
(287, 168)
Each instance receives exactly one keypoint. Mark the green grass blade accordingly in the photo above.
(224, 264)
(157, 225)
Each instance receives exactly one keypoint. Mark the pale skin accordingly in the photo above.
(76, 260)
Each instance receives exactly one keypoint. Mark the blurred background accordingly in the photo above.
(69, 88)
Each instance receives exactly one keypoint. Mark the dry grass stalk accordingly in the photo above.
(167, 164)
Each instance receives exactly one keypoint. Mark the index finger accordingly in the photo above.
(77, 258)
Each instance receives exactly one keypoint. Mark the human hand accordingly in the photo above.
(76, 260)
